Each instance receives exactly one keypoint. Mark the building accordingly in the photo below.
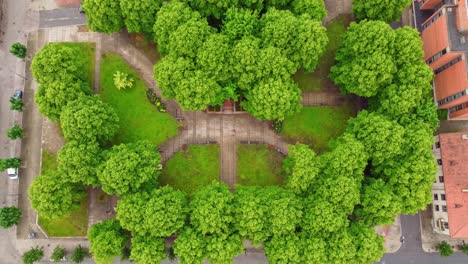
(450, 189)
(443, 25)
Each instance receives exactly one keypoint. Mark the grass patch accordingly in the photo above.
(318, 80)
(258, 165)
(76, 224)
(139, 119)
(88, 51)
(190, 169)
(316, 126)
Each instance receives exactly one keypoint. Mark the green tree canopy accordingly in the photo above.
(187, 39)
(147, 250)
(211, 209)
(103, 15)
(159, 213)
(140, 16)
(212, 7)
(223, 248)
(53, 197)
(387, 11)
(9, 216)
(284, 249)
(369, 245)
(238, 22)
(301, 168)
(313, 8)
(77, 162)
(107, 240)
(190, 246)
(129, 168)
(285, 210)
(89, 119)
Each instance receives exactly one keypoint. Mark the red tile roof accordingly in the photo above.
(435, 37)
(454, 153)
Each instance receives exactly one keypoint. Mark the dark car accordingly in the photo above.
(81, 10)
(18, 94)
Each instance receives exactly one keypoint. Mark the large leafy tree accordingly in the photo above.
(139, 16)
(129, 168)
(238, 22)
(313, 8)
(160, 213)
(369, 245)
(107, 240)
(147, 249)
(285, 211)
(341, 247)
(187, 39)
(103, 15)
(211, 210)
(89, 119)
(387, 11)
(223, 248)
(301, 168)
(53, 197)
(9, 216)
(78, 162)
(212, 7)
(190, 246)
(284, 249)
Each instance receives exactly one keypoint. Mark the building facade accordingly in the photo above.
(443, 26)
(450, 188)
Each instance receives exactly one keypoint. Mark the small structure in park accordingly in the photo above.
(450, 190)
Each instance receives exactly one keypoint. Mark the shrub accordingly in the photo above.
(9, 216)
(79, 253)
(122, 80)
(154, 100)
(15, 132)
(463, 247)
(16, 104)
(58, 254)
(9, 163)
(445, 249)
(278, 126)
(19, 50)
(33, 255)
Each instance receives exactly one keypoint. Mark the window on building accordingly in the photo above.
(446, 225)
(444, 208)
(436, 208)
(437, 144)
(439, 161)
(441, 179)
(442, 197)
(436, 197)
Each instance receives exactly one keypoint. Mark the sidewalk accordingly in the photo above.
(41, 5)
(391, 234)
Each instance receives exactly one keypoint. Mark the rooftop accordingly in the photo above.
(454, 153)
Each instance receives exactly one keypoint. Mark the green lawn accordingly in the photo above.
(316, 126)
(139, 119)
(258, 165)
(191, 169)
(88, 51)
(318, 80)
(76, 224)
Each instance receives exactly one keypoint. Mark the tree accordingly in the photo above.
(212, 8)
(103, 16)
(283, 249)
(54, 96)
(147, 250)
(19, 50)
(285, 211)
(445, 249)
(190, 246)
(301, 168)
(33, 255)
(58, 254)
(107, 240)
(122, 80)
(9, 216)
(129, 168)
(170, 72)
(15, 132)
(223, 248)
(211, 209)
(159, 213)
(78, 162)
(78, 254)
(387, 11)
(341, 247)
(314, 249)
(313, 8)
(213, 58)
(9, 163)
(238, 23)
(369, 245)
(171, 15)
(140, 16)
(16, 104)
(187, 39)
(89, 119)
(322, 217)
(55, 61)
(197, 91)
(365, 63)
(251, 214)
(53, 197)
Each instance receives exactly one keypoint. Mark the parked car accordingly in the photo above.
(18, 94)
(13, 173)
(81, 10)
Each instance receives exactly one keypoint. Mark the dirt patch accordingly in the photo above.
(52, 138)
(145, 45)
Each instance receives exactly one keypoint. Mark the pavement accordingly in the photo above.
(61, 17)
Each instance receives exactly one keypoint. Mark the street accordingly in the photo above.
(61, 17)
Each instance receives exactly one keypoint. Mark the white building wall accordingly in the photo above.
(439, 205)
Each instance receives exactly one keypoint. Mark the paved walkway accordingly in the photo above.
(337, 7)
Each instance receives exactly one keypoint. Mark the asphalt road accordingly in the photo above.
(411, 251)
(61, 17)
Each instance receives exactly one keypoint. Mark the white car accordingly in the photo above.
(12, 173)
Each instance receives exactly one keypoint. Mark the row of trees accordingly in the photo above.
(387, 11)
(216, 51)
